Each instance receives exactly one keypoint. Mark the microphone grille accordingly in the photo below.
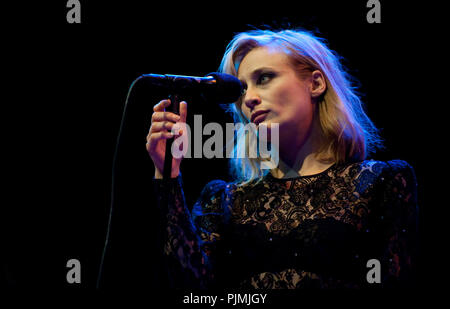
(227, 89)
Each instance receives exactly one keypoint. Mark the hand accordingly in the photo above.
(166, 125)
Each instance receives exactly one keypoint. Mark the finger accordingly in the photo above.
(161, 105)
(154, 138)
(161, 135)
(183, 111)
(161, 126)
(165, 116)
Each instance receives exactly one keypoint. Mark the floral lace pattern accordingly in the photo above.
(312, 231)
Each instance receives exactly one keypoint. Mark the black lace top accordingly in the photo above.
(311, 231)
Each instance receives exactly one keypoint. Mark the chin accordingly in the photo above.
(269, 124)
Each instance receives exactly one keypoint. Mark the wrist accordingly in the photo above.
(159, 175)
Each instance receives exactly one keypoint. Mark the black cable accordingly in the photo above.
(113, 181)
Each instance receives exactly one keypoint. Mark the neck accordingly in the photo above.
(299, 158)
(310, 165)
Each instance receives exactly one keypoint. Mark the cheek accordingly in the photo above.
(294, 104)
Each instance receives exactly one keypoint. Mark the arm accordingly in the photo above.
(398, 225)
(187, 247)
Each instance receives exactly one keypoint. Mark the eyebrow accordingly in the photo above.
(257, 72)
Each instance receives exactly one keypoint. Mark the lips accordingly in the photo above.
(258, 116)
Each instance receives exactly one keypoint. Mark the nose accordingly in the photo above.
(251, 99)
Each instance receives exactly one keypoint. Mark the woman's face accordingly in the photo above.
(275, 93)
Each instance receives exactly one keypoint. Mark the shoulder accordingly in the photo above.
(391, 170)
(400, 181)
(378, 168)
(368, 173)
(400, 169)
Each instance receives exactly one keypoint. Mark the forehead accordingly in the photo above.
(263, 57)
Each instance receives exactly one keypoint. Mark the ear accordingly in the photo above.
(318, 84)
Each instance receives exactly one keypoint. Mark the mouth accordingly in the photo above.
(259, 116)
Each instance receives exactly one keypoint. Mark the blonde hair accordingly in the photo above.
(347, 131)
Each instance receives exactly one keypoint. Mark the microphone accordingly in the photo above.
(216, 87)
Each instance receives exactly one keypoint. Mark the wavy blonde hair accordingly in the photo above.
(347, 132)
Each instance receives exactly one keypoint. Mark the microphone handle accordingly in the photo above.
(174, 107)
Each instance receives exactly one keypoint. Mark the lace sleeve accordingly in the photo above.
(398, 222)
(188, 246)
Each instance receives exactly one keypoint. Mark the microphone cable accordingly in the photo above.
(113, 181)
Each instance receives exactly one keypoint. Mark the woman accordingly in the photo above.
(324, 216)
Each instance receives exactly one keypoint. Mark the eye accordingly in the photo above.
(244, 87)
(264, 78)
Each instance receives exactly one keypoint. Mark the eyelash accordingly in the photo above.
(259, 81)
(262, 75)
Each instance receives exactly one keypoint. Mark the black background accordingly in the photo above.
(69, 84)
